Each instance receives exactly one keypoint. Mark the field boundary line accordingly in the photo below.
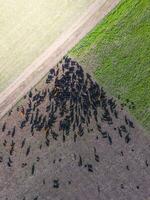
(40, 67)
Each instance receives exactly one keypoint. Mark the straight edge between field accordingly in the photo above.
(40, 67)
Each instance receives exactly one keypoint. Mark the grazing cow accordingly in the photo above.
(127, 138)
(13, 132)
(146, 162)
(56, 183)
(1, 159)
(9, 164)
(98, 189)
(90, 167)
(23, 143)
(36, 198)
(23, 165)
(80, 161)
(110, 140)
(131, 124)
(96, 158)
(28, 151)
(122, 153)
(33, 169)
(4, 127)
(122, 186)
(5, 142)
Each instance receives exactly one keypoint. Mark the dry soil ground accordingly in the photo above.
(83, 168)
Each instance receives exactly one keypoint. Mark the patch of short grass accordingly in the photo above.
(118, 51)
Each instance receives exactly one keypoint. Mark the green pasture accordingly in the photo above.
(117, 50)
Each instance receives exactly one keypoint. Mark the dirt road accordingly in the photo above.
(38, 69)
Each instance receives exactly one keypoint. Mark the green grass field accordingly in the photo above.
(118, 51)
(28, 27)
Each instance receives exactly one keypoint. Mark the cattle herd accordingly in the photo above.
(66, 139)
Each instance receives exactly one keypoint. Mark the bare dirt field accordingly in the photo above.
(29, 27)
(33, 74)
(68, 140)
